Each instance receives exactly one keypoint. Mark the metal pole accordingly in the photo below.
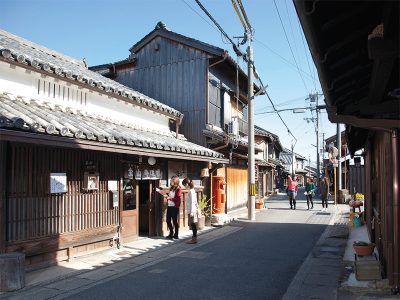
(251, 175)
(293, 172)
(339, 146)
(318, 162)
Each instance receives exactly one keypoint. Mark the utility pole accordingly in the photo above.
(293, 157)
(251, 174)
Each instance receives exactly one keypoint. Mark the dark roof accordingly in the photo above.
(32, 115)
(355, 47)
(26, 53)
(162, 30)
(262, 132)
(288, 153)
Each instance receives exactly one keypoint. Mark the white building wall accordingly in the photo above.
(27, 83)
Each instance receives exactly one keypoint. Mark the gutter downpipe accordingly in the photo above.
(396, 209)
(224, 57)
(223, 146)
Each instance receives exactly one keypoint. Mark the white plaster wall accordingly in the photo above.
(23, 82)
(260, 155)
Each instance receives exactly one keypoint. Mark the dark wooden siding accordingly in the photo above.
(175, 75)
(33, 213)
(379, 198)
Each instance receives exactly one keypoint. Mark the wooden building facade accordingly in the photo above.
(358, 66)
(82, 156)
(200, 80)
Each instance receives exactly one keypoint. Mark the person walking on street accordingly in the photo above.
(324, 193)
(292, 190)
(173, 201)
(310, 188)
(191, 208)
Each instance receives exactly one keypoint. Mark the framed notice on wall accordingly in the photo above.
(58, 183)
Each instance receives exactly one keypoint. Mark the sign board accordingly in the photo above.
(58, 183)
(113, 185)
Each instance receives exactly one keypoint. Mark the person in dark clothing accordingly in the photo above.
(324, 193)
(173, 202)
(310, 187)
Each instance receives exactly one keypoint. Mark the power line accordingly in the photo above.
(236, 49)
(238, 52)
(197, 13)
(291, 29)
(291, 50)
(284, 59)
(305, 52)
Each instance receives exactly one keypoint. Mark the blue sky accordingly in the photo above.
(103, 31)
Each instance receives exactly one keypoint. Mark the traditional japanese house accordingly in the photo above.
(81, 155)
(203, 82)
(296, 167)
(358, 66)
(268, 166)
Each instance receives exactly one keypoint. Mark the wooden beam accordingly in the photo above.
(385, 108)
(376, 124)
(3, 194)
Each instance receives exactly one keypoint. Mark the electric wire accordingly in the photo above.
(237, 51)
(244, 15)
(305, 52)
(289, 63)
(290, 47)
(291, 29)
(235, 6)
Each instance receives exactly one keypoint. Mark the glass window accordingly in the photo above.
(129, 194)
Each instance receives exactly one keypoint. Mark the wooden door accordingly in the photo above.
(129, 210)
(152, 206)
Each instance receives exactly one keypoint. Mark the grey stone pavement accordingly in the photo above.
(311, 271)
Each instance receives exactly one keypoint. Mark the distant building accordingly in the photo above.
(286, 156)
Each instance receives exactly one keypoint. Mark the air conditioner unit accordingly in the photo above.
(233, 127)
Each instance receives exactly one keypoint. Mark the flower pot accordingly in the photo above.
(364, 250)
(259, 205)
(201, 223)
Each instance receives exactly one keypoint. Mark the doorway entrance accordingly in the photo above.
(147, 207)
(129, 212)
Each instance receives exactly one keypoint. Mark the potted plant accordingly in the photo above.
(363, 248)
(259, 203)
(205, 211)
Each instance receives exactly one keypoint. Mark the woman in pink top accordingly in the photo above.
(292, 190)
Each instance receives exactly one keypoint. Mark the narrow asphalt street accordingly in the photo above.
(258, 260)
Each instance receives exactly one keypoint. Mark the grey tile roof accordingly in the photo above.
(25, 52)
(288, 152)
(20, 113)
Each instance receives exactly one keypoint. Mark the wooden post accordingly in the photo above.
(334, 180)
(3, 195)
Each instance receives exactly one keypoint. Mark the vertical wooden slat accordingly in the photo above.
(3, 195)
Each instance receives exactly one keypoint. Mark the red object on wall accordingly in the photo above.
(218, 192)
